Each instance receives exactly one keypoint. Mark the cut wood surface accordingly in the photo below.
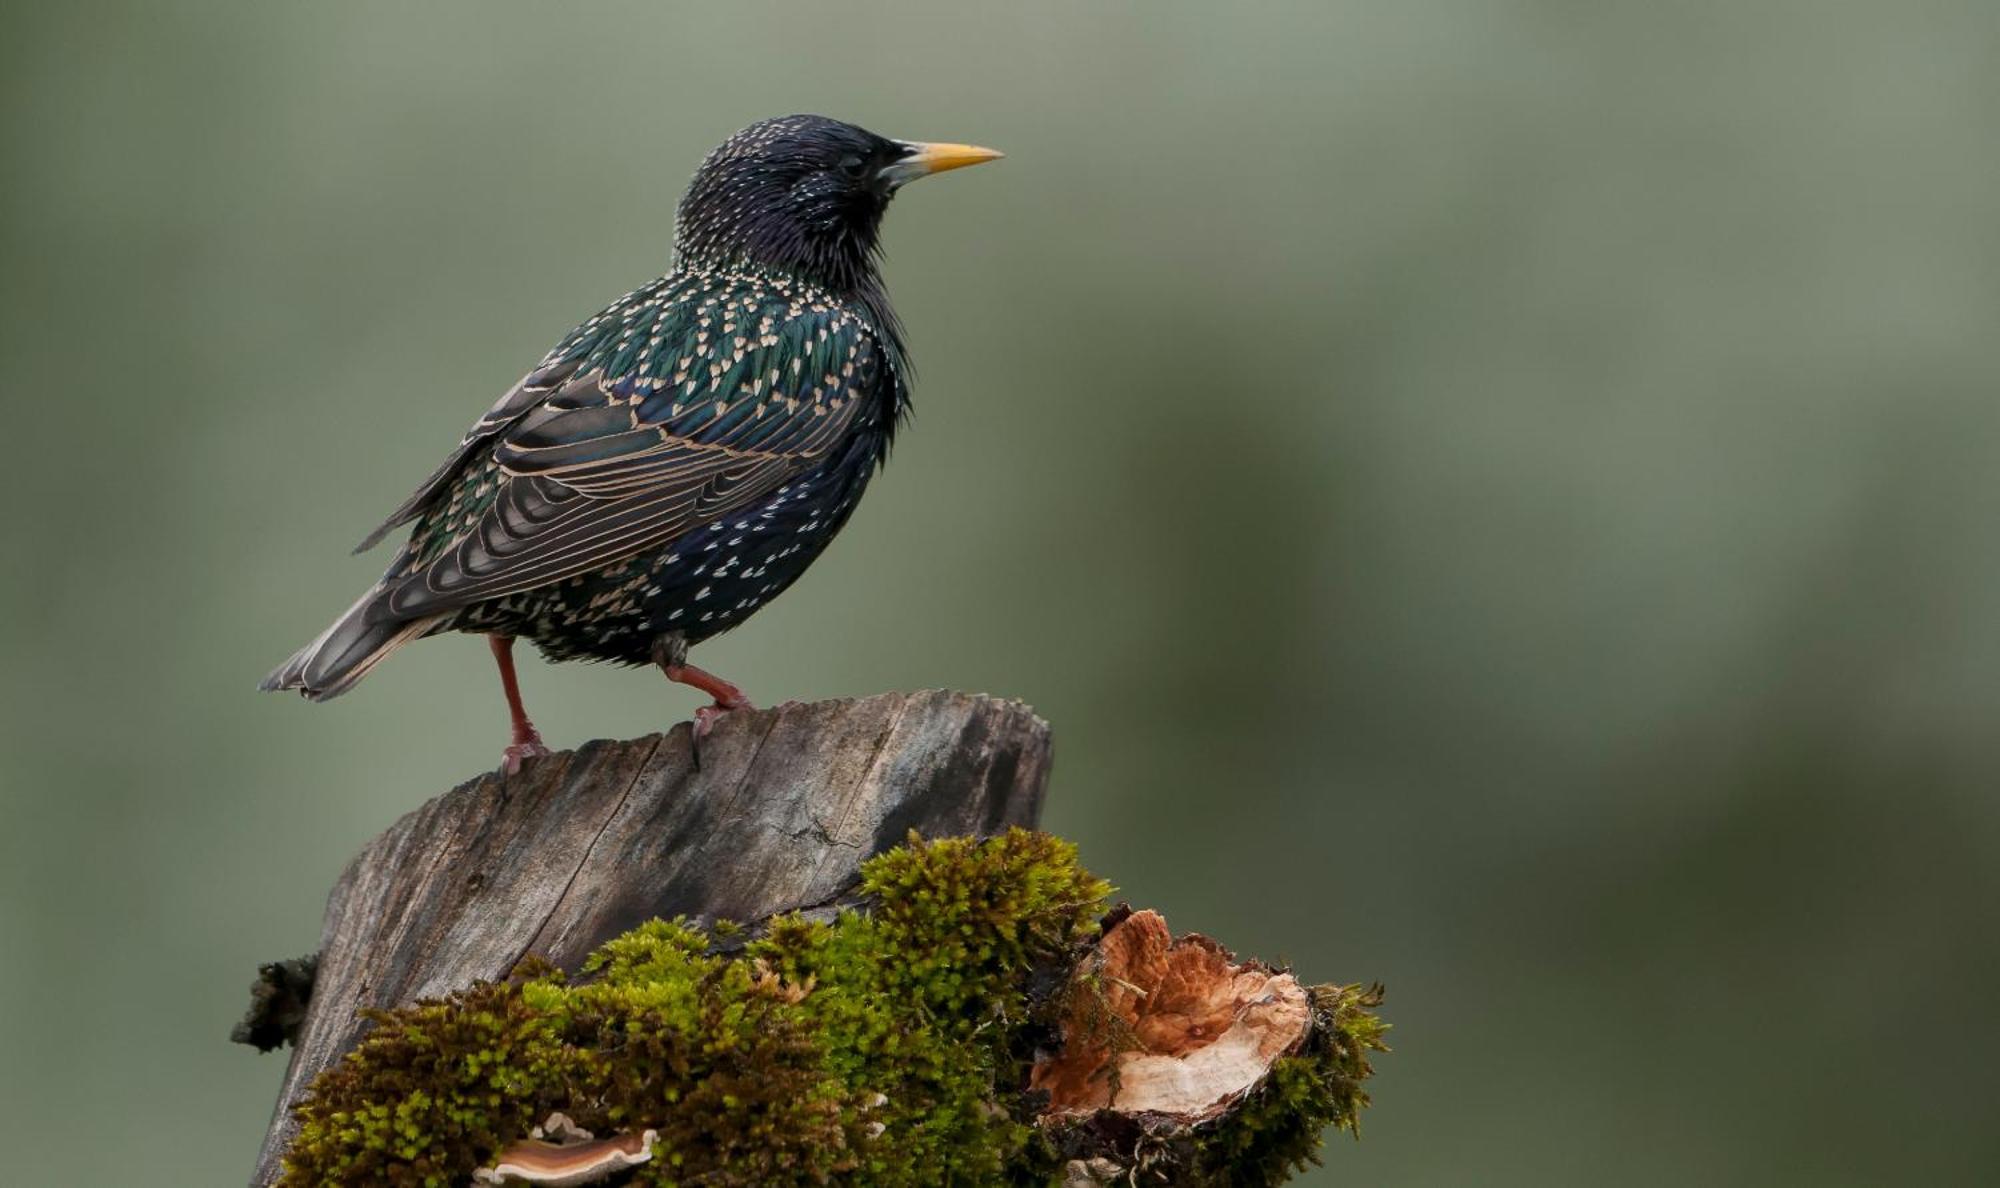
(582, 845)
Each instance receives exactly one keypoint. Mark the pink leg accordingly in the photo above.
(727, 696)
(527, 742)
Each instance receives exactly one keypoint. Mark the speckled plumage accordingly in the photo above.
(774, 377)
(680, 458)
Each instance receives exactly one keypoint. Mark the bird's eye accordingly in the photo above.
(851, 166)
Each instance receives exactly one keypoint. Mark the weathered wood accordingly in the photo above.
(583, 845)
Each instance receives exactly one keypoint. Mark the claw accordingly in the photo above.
(727, 698)
(519, 753)
(705, 718)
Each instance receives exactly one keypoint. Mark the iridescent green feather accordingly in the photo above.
(710, 357)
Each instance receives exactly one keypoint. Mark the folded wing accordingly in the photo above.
(597, 464)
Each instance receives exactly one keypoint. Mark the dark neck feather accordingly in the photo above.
(729, 223)
(843, 266)
(734, 217)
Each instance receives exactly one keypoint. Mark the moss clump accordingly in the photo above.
(889, 1047)
(873, 1047)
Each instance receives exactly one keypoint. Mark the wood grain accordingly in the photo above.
(584, 844)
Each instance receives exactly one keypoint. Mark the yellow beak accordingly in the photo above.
(925, 159)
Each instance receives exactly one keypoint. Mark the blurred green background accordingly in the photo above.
(1495, 498)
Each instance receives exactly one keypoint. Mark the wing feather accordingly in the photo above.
(602, 465)
(523, 396)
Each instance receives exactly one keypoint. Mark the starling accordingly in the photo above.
(679, 458)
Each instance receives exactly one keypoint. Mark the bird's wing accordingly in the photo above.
(533, 388)
(633, 452)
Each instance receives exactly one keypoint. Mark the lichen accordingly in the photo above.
(890, 1046)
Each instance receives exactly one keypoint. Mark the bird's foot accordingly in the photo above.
(727, 696)
(704, 720)
(520, 751)
(706, 717)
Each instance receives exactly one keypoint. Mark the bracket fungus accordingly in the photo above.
(1179, 1064)
(559, 1152)
(1170, 1027)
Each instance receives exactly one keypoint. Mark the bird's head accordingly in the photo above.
(803, 195)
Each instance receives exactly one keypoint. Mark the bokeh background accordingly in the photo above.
(1497, 498)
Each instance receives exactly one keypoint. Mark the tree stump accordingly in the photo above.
(582, 845)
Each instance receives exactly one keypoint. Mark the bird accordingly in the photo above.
(683, 455)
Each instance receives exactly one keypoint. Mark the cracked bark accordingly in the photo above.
(585, 844)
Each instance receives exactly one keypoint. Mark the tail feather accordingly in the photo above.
(347, 651)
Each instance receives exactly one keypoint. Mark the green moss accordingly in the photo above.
(775, 1065)
(1277, 1130)
(888, 1047)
